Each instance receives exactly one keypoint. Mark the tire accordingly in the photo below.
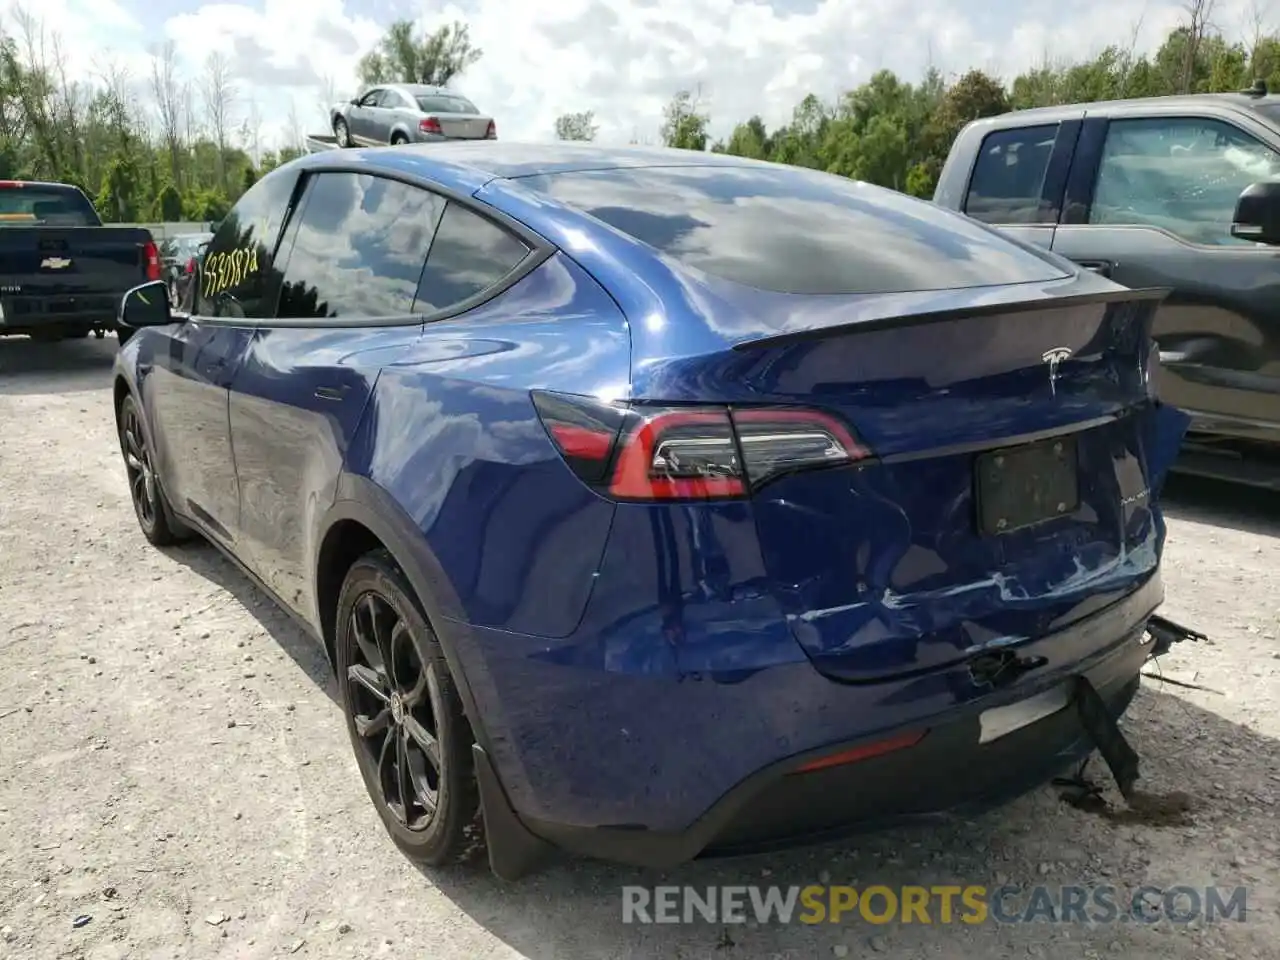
(149, 504)
(341, 132)
(398, 138)
(393, 716)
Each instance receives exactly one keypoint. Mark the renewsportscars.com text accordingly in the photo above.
(939, 904)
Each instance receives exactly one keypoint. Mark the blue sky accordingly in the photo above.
(623, 59)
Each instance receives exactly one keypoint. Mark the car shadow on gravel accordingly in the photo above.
(70, 366)
(1230, 773)
(208, 562)
(1222, 504)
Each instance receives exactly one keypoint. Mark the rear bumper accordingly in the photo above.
(659, 771)
(947, 773)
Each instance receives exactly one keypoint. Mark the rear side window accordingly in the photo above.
(238, 275)
(469, 255)
(1008, 177)
(796, 231)
(357, 248)
(32, 206)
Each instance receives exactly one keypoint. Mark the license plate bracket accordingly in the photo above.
(1021, 487)
(998, 722)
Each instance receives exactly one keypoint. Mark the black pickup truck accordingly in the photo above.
(62, 273)
(1174, 192)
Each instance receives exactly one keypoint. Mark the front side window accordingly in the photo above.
(1008, 177)
(469, 255)
(357, 247)
(238, 276)
(791, 230)
(1182, 174)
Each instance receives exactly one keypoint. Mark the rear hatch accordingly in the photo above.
(1004, 487)
(968, 447)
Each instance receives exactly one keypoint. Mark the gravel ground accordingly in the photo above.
(174, 768)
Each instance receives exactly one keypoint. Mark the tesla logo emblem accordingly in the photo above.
(1053, 358)
(55, 263)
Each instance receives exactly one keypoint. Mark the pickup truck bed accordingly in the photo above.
(62, 273)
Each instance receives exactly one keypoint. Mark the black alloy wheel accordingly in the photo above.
(406, 722)
(144, 485)
(341, 132)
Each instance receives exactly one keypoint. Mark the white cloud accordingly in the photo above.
(623, 59)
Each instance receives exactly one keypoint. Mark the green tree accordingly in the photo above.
(119, 197)
(434, 58)
(749, 139)
(577, 126)
(684, 124)
(170, 204)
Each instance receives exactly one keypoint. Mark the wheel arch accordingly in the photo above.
(365, 517)
(119, 390)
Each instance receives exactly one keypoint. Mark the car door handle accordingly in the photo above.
(331, 393)
(1100, 267)
(1192, 350)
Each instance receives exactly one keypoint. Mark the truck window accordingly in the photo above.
(1183, 174)
(1008, 177)
(44, 205)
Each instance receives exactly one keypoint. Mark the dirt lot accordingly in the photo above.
(173, 766)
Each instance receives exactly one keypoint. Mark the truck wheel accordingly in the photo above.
(99, 333)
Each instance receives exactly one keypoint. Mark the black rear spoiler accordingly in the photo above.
(1124, 295)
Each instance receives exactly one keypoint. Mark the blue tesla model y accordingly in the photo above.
(653, 504)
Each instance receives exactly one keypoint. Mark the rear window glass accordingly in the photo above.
(796, 231)
(442, 104)
(44, 206)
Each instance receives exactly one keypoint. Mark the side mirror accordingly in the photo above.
(1257, 216)
(146, 306)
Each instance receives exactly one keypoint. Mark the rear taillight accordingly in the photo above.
(10, 184)
(583, 430)
(151, 259)
(191, 265)
(690, 453)
(492, 132)
(678, 454)
(430, 125)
